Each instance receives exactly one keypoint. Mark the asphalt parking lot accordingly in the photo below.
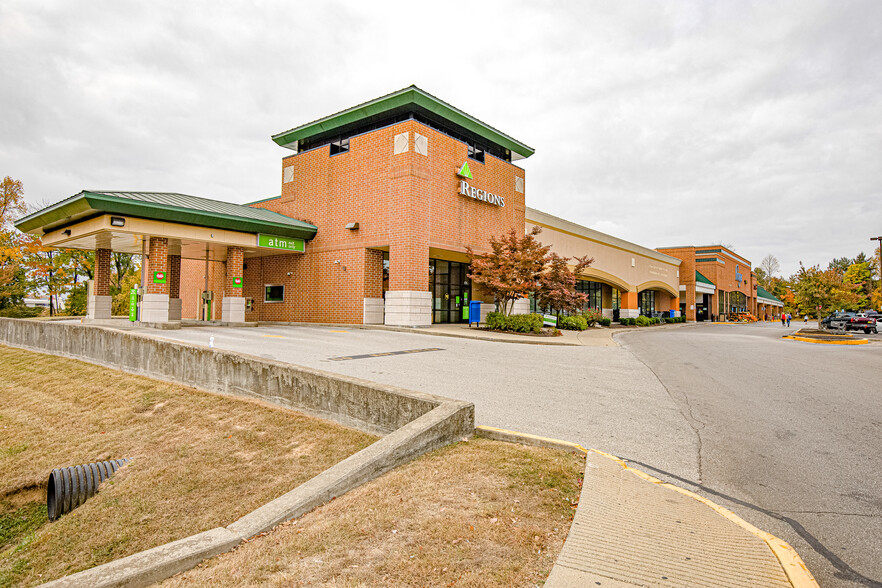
(785, 433)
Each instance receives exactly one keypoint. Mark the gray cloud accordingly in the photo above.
(748, 123)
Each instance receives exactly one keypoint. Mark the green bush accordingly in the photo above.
(519, 323)
(21, 312)
(606, 321)
(643, 321)
(572, 323)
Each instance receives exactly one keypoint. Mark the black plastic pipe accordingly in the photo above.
(71, 486)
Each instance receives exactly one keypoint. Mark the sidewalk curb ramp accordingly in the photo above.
(793, 569)
(410, 424)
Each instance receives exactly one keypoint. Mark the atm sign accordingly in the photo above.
(274, 242)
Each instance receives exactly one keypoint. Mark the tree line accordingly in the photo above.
(847, 283)
(28, 268)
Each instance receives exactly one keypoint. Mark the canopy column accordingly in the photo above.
(100, 302)
(154, 306)
(174, 287)
(675, 306)
(233, 305)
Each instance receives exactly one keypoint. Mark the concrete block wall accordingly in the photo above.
(408, 308)
(374, 311)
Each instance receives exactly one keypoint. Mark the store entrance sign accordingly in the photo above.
(284, 243)
(484, 196)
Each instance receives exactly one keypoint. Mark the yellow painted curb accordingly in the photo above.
(795, 569)
(809, 340)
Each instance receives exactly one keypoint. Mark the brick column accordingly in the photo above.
(174, 288)
(99, 305)
(675, 305)
(374, 305)
(154, 305)
(233, 305)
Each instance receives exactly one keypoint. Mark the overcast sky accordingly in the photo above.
(665, 123)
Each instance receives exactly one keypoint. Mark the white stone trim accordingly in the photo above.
(154, 308)
(705, 289)
(521, 306)
(233, 309)
(408, 308)
(607, 312)
(629, 313)
(374, 311)
(99, 307)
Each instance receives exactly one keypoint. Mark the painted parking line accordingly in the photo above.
(338, 331)
(384, 354)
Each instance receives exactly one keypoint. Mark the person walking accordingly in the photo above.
(783, 318)
(805, 320)
(789, 316)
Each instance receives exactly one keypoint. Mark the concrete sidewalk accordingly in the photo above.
(593, 337)
(632, 530)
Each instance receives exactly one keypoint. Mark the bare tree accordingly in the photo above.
(770, 265)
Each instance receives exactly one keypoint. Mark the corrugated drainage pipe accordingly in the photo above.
(71, 486)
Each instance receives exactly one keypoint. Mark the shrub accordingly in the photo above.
(21, 312)
(573, 323)
(519, 323)
(643, 321)
(592, 317)
(606, 321)
(629, 321)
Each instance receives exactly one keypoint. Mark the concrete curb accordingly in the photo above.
(795, 569)
(422, 331)
(818, 341)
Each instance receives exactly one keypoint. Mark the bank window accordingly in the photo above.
(593, 290)
(616, 299)
(341, 146)
(476, 153)
(274, 293)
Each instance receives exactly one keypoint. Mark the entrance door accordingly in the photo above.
(451, 291)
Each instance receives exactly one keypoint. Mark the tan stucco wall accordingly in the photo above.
(612, 256)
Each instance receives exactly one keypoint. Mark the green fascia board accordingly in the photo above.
(410, 95)
(763, 293)
(262, 200)
(701, 279)
(90, 203)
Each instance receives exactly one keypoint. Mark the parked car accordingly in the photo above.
(837, 320)
(863, 321)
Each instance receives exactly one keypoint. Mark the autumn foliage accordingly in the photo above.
(519, 265)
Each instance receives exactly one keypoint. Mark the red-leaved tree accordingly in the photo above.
(557, 284)
(512, 269)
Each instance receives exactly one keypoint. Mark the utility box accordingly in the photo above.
(475, 312)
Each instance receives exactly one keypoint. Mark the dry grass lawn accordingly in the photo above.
(480, 513)
(200, 461)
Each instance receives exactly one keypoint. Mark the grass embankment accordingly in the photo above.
(200, 461)
(476, 514)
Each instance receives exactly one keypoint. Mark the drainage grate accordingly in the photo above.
(384, 354)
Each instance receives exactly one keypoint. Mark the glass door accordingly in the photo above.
(451, 291)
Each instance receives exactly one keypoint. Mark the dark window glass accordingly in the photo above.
(340, 146)
(275, 293)
(646, 301)
(476, 153)
(594, 290)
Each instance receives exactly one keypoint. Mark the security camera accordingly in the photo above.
(336, 261)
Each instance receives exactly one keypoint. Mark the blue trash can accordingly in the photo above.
(475, 312)
(672, 313)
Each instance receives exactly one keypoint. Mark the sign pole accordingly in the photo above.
(880, 263)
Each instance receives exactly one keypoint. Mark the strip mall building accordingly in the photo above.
(378, 206)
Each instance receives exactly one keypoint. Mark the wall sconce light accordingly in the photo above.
(66, 232)
(352, 226)
(117, 221)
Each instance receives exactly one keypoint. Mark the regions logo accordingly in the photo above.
(465, 171)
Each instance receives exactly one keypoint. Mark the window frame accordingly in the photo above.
(266, 288)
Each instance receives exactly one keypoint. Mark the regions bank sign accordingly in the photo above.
(466, 189)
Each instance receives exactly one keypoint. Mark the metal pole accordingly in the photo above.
(144, 258)
(206, 304)
(880, 262)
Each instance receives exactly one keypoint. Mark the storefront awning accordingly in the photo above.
(703, 285)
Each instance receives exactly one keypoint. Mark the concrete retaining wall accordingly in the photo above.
(360, 404)
(413, 423)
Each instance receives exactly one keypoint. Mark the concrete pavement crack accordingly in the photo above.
(689, 418)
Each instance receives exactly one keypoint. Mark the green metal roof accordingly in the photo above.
(396, 100)
(760, 291)
(701, 279)
(168, 207)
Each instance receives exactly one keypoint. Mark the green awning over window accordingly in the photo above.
(700, 279)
